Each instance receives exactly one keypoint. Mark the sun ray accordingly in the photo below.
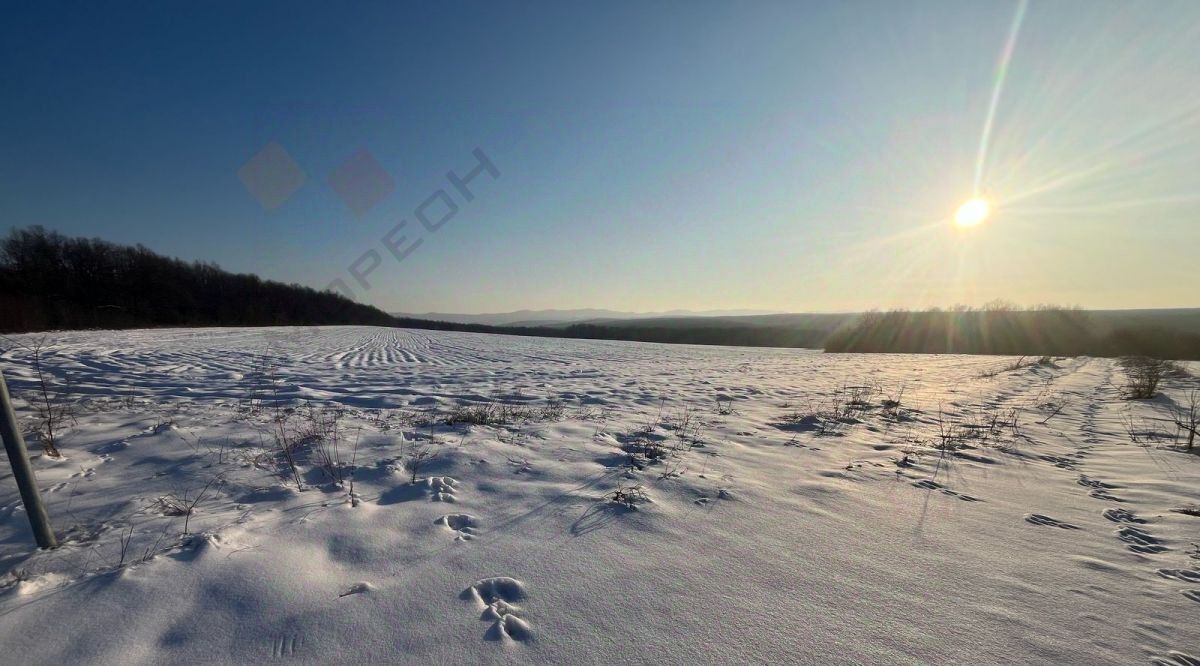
(997, 89)
(1108, 206)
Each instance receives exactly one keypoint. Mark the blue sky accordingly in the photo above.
(789, 156)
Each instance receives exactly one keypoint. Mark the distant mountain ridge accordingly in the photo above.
(581, 315)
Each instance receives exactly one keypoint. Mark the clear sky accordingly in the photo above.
(794, 156)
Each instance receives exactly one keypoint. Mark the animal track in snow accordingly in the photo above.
(442, 489)
(1102, 494)
(104, 449)
(1099, 488)
(1140, 541)
(722, 494)
(1176, 658)
(498, 597)
(930, 484)
(500, 588)
(286, 646)
(1061, 462)
(1185, 575)
(1039, 519)
(464, 526)
(522, 465)
(1122, 516)
(361, 587)
(1089, 482)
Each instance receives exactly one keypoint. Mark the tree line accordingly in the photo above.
(1008, 330)
(50, 281)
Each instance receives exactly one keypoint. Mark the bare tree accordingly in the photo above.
(1142, 375)
(415, 456)
(185, 504)
(51, 402)
(1187, 417)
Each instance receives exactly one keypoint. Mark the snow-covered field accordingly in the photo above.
(771, 532)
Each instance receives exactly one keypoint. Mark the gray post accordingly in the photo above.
(14, 444)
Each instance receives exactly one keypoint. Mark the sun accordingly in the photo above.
(972, 212)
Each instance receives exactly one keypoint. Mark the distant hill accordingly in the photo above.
(566, 317)
(815, 321)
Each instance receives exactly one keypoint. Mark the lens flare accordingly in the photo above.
(972, 212)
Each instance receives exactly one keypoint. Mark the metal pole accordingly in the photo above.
(14, 444)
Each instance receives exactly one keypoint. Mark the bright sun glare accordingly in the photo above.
(972, 212)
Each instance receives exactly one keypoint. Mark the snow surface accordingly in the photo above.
(766, 537)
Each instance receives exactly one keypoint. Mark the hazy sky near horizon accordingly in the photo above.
(652, 156)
